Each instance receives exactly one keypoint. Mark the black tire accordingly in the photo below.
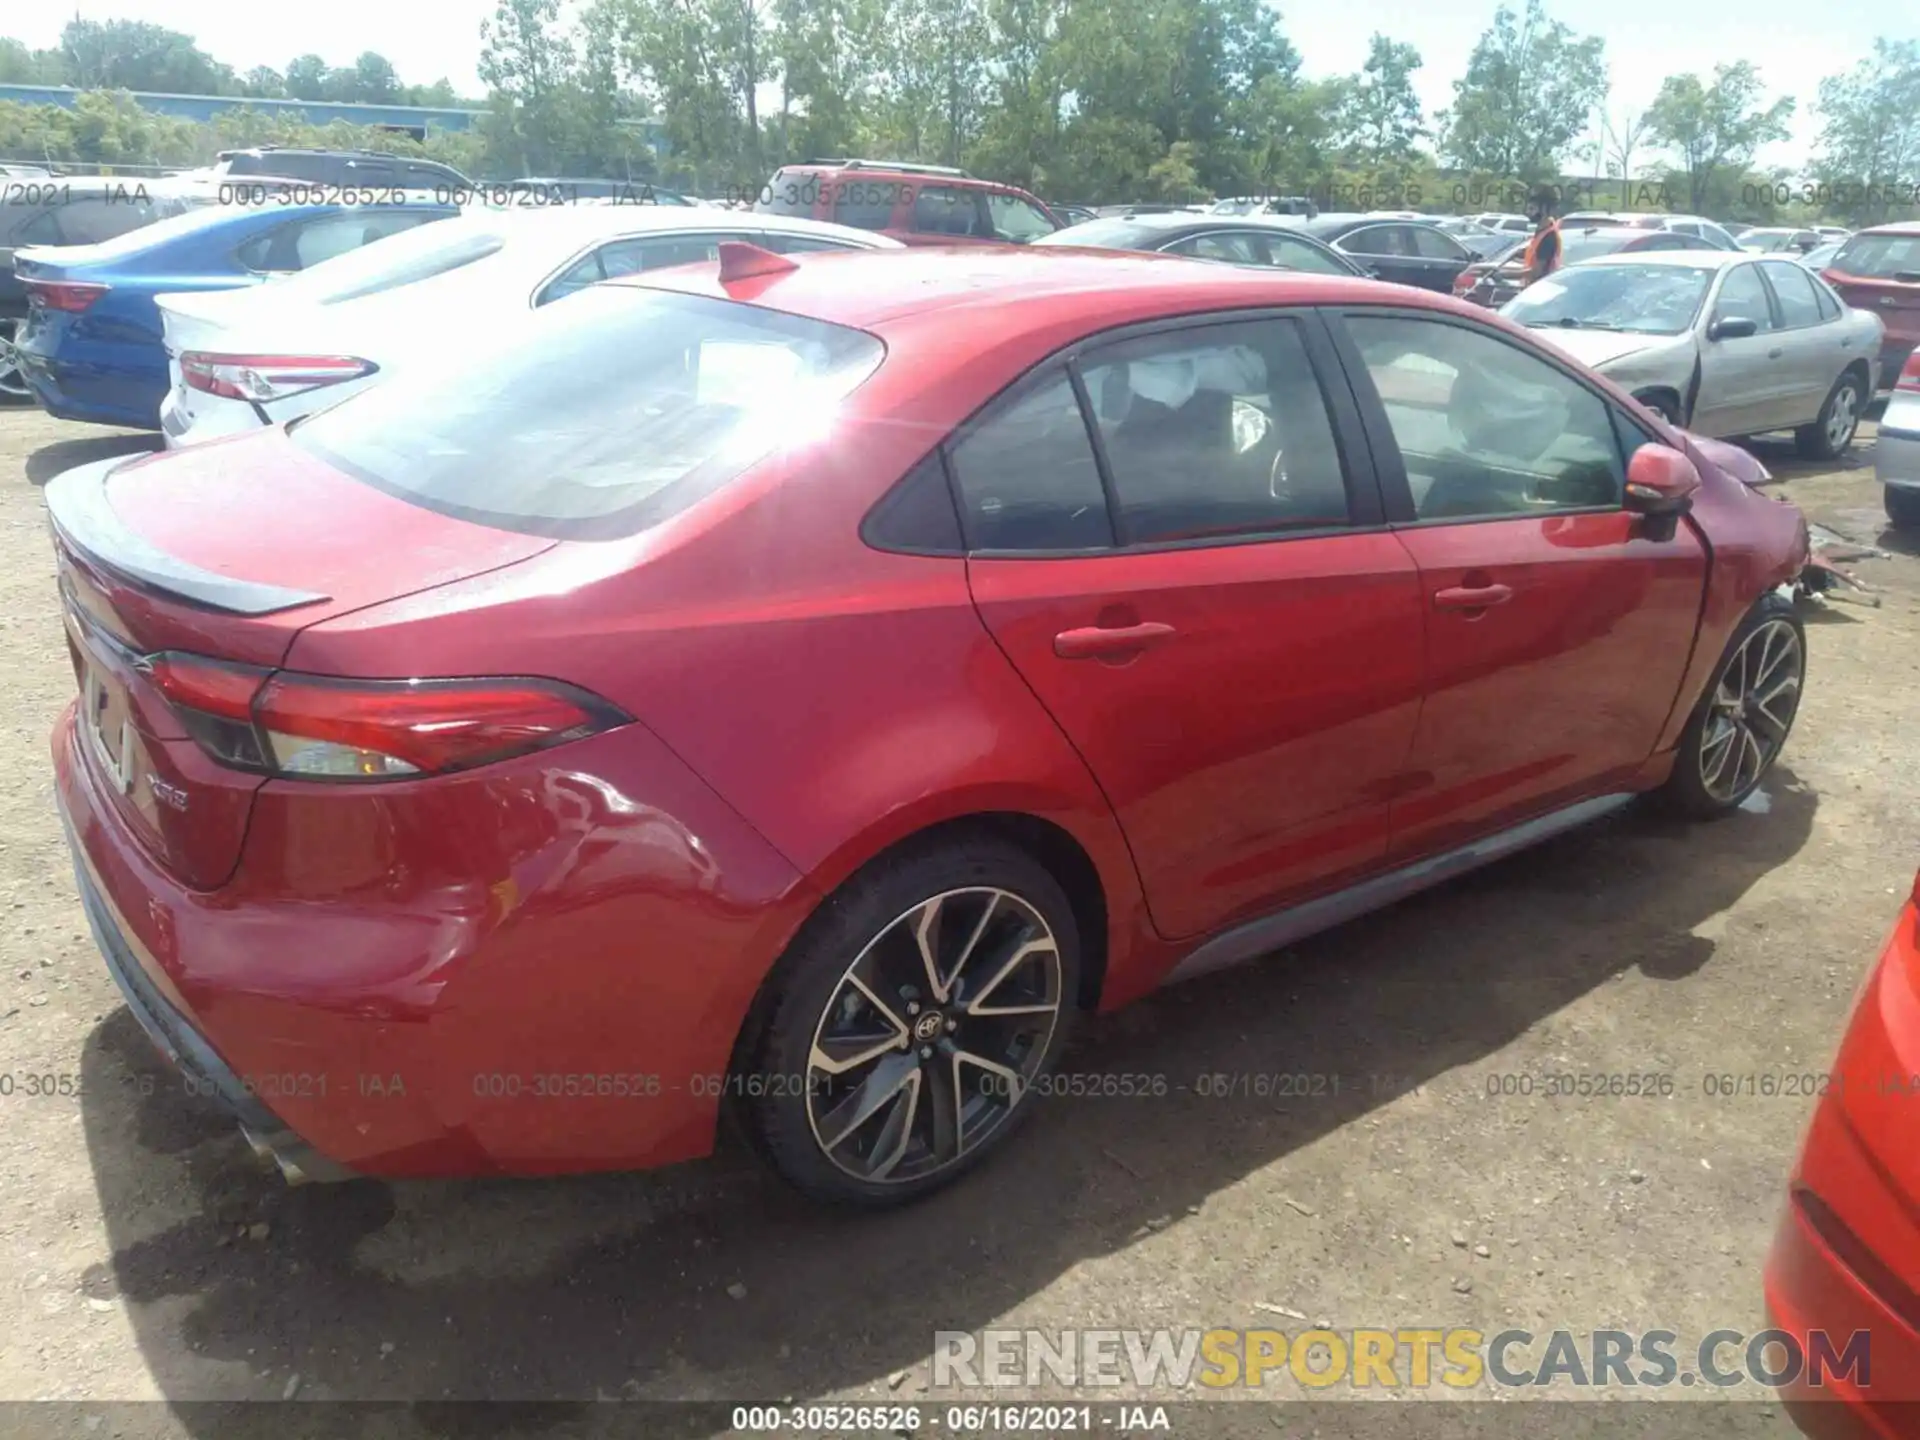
(811, 991)
(1903, 507)
(1687, 790)
(1663, 405)
(1813, 441)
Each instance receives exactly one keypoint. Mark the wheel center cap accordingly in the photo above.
(929, 1026)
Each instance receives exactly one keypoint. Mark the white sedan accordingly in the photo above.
(244, 359)
(1722, 342)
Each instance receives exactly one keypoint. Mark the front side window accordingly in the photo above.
(1487, 430)
(1235, 249)
(1016, 220)
(599, 417)
(1378, 240)
(1292, 253)
(1432, 244)
(1216, 431)
(1027, 476)
(1743, 297)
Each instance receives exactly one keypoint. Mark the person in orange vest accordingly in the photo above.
(1543, 250)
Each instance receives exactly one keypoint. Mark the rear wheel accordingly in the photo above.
(911, 1021)
(13, 384)
(1832, 430)
(1903, 507)
(1742, 722)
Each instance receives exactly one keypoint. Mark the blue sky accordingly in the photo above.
(1794, 43)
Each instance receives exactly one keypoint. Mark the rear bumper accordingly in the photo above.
(121, 385)
(205, 1072)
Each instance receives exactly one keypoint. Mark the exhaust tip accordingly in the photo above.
(263, 1151)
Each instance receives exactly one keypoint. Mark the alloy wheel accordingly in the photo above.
(1751, 711)
(1843, 418)
(13, 384)
(933, 1035)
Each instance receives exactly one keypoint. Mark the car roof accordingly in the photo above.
(1712, 259)
(1018, 289)
(1892, 227)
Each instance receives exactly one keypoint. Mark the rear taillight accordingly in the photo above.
(1910, 372)
(260, 378)
(71, 296)
(320, 727)
(1466, 280)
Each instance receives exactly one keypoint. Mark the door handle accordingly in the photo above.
(1093, 641)
(1471, 597)
(1774, 354)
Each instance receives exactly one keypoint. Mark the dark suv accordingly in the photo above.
(340, 167)
(68, 210)
(915, 204)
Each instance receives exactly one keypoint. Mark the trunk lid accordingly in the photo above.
(229, 551)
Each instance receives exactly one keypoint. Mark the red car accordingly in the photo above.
(1846, 1258)
(1878, 271)
(732, 689)
(915, 204)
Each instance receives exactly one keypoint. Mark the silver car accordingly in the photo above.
(1896, 454)
(1723, 343)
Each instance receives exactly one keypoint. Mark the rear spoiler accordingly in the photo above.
(85, 521)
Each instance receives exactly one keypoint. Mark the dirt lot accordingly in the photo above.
(134, 1265)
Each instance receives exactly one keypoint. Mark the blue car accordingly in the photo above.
(91, 345)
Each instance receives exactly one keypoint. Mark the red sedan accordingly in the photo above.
(803, 683)
(1846, 1259)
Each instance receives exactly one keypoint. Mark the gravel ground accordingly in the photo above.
(144, 1256)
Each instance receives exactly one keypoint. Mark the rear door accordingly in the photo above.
(1558, 625)
(1441, 257)
(1388, 249)
(1813, 351)
(1175, 536)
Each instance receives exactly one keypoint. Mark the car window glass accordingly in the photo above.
(332, 235)
(863, 204)
(1686, 227)
(1486, 429)
(1793, 287)
(1377, 240)
(1431, 244)
(943, 210)
(1216, 431)
(1879, 257)
(86, 222)
(582, 273)
(1236, 249)
(1027, 476)
(1716, 236)
(1743, 297)
(1830, 306)
(42, 229)
(1293, 253)
(781, 244)
(656, 252)
(1016, 220)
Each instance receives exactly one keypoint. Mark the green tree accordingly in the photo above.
(1870, 132)
(263, 82)
(133, 55)
(1530, 85)
(374, 80)
(1716, 128)
(307, 78)
(1379, 119)
(21, 66)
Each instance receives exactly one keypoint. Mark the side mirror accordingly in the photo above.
(1732, 327)
(1660, 481)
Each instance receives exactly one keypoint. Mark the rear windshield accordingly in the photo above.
(599, 415)
(793, 192)
(403, 259)
(1880, 257)
(134, 241)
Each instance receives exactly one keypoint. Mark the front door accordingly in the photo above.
(1167, 544)
(1558, 625)
(1741, 377)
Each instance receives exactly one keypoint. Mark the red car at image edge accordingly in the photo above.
(795, 687)
(1846, 1257)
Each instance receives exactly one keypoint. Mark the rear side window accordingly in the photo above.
(1880, 257)
(1027, 476)
(1793, 288)
(944, 210)
(599, 417)
(417, 255)
(794, 192)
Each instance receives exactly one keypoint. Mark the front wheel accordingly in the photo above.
(911, 1021)
(1742, 722)
(1828, 437)
(1903, 507)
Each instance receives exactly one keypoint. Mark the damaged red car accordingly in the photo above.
(796, 687)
